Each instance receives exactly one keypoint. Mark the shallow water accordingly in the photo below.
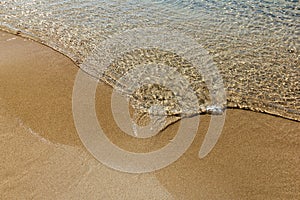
(253, 44)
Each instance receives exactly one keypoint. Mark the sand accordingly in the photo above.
(256, 157)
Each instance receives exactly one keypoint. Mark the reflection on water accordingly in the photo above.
(255, 44)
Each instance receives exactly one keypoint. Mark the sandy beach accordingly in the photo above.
(256, 157)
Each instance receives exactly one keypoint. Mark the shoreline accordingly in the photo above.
(256, 155)
(76, 62)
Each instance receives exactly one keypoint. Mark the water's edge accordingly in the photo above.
(76, 62)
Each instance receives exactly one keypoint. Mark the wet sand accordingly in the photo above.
(256, 157)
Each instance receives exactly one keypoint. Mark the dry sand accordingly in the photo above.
(256, 157)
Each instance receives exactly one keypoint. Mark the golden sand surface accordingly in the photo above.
(256, 157)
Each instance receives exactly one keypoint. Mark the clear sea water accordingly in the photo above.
(254, 43)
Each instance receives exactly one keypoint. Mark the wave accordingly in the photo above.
(254, 44)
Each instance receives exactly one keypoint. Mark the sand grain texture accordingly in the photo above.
(256, 157)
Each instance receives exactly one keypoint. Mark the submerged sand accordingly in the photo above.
(256, 157)
(254, 45)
